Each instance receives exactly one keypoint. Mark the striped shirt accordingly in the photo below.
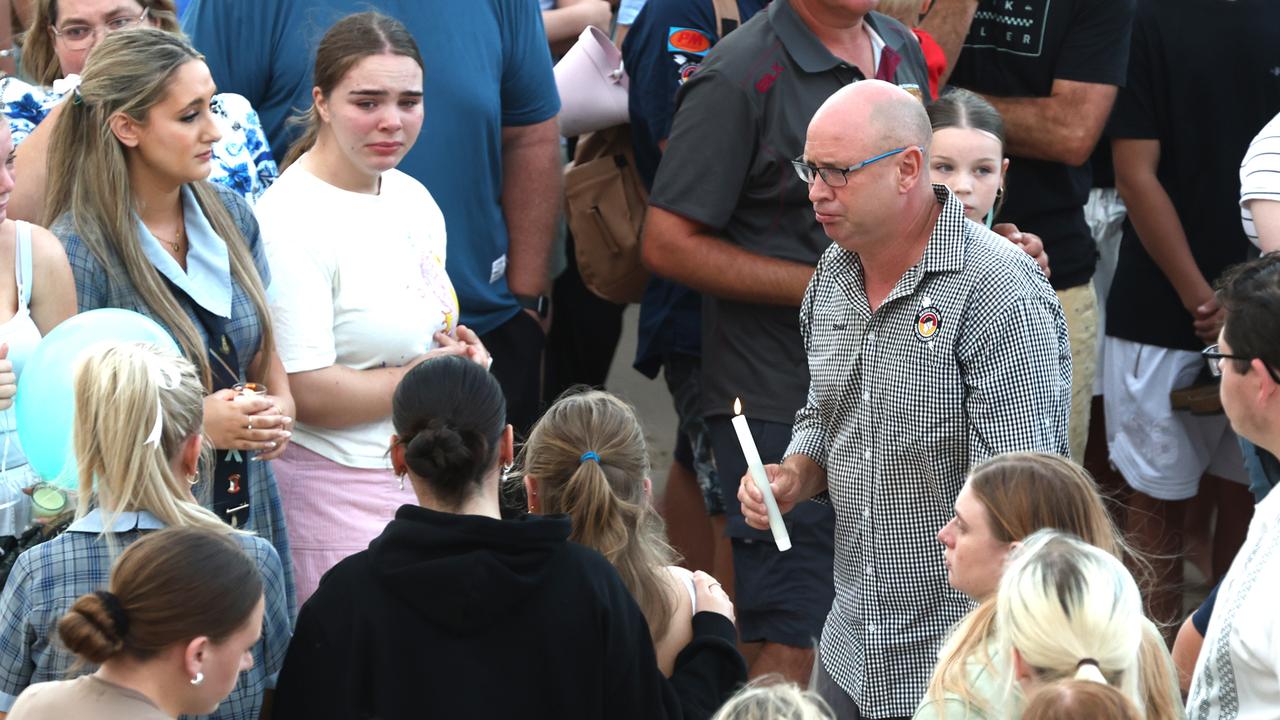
(1260, 174)
(966, 358)
(47, 579)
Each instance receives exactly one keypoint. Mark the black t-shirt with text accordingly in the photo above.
(1017, 48)
(1204, 78)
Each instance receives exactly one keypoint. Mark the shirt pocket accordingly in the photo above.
(833, 354)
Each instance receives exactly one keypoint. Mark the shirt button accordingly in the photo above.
(866, 396)
(866, 455)
(871, 337)
(871, 627)
(866, 513)
(870, 571)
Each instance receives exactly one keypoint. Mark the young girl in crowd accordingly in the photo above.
(1006, 499)
(138, 446)
(365, 295)
(1080, 700)
(453, 612)
(40, 295)
(144, 231)
(586, 458)
(968, 156)
(61, 37)
(171, 633)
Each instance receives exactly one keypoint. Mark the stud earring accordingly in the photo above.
(199, 678)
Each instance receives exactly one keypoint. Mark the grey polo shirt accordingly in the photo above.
(739, 122)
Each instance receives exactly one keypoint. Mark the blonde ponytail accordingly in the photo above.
(590, 461)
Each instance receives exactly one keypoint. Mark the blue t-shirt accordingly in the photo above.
(487, 66)
(665, 46)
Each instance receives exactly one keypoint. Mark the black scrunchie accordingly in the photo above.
(119, 618)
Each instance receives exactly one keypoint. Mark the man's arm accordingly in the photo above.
(948, 22)
(1156, 221)
(1266, 220)
(1063, 127)
(531, 190)
(692, 254)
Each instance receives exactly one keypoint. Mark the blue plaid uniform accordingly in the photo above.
(47, 579)
(98, 287)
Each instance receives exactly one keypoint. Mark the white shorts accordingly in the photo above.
(1160, 451)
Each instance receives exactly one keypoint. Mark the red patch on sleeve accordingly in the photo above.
(689, 40)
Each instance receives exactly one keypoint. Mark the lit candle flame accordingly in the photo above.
(737, 406)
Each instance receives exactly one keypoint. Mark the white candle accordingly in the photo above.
(756, 468)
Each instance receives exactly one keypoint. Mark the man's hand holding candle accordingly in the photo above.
(794, 480)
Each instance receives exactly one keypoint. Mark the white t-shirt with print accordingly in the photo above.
(1238, 672)
(357, 280)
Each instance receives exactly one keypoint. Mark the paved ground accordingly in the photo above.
(650, 397)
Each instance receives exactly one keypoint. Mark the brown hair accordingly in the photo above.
(1250, 295)
(169, 587)
(350, 40)
(40, 62)
(129, 73)
(1080, 700)
(960, 108)
(1022, 493)
(604, 496)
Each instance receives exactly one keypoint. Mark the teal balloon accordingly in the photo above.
(45, 401)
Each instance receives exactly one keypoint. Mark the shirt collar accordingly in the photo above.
(207, 279)
(124, 522)
(945, 250)
(809, 52)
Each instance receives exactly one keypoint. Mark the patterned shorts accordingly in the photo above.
(693, 446)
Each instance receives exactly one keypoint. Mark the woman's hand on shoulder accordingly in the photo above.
(468, 344)
(711, 595)
(236, 422)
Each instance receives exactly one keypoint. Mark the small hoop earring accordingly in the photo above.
(199, 678)
(193, 478)
(402, 482)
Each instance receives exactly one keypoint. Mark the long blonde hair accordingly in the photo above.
(1071, 610)
(604, 496)
(119, 389)
(129, 73)
(1022, 493)
(40, 61)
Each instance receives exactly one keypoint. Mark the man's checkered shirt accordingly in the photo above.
(966, 358)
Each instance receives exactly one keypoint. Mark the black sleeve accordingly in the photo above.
(1138, 105)
(710, 668)
(1096, 48)
(317, 678)
(709, 153)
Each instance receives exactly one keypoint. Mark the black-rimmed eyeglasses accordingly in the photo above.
(839, 177)
(1213, 358)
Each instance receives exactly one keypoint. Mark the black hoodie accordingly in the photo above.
(462, 616)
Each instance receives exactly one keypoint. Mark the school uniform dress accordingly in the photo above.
(47, 579)
(205, 287)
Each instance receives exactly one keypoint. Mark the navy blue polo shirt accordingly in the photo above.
(740, 120)
(666, 45)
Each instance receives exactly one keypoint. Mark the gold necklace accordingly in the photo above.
(176, 243)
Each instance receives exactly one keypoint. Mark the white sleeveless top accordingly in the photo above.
(686, 577)
(22, 335)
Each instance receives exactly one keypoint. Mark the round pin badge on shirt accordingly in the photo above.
(928, 322)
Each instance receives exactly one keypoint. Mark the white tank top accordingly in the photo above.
(22, 335)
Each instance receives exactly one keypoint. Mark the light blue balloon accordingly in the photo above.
(45, 402)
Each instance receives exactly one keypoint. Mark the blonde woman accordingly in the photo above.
(62, 36)
(1063, 609)
(586, 458)
(1004, 500)
(145, 231)
(138, 443)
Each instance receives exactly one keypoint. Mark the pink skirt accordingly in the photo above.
(332, 510)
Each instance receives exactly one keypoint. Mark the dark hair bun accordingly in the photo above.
(444, 455)
(89, 631)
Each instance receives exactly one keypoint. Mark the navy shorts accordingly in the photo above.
(781, 597)
(693, 447)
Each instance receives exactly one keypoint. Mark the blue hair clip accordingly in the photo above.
(588, 455)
